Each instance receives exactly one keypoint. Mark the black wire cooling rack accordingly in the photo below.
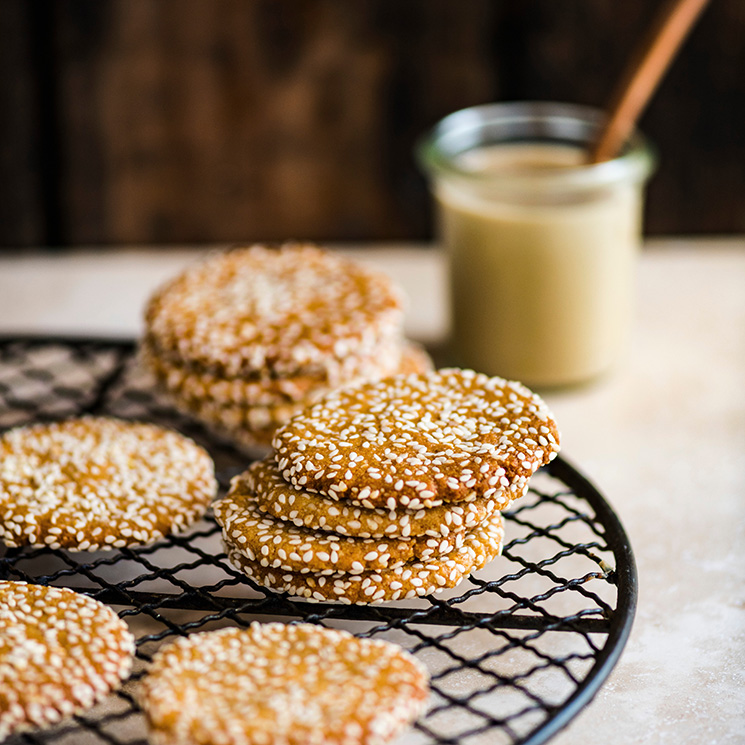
(515, 651)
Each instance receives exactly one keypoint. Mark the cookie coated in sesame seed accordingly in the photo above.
(275, 497)
(416, 441)
(60, 653)
(193, 385)
(99, 483)
(295, 310)
(256, 443)
(237, 418)
(413, 579)
(195, 388)
(252, 426)
(277, 684)
(279, 545)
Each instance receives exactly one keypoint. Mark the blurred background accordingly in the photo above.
(190, 121)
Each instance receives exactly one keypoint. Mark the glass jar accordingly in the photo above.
(542, 246)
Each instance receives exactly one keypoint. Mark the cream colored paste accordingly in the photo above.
(542, 281)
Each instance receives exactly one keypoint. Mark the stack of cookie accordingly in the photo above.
(249, 337)
(389, 489)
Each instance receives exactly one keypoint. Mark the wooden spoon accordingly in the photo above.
(650, 63)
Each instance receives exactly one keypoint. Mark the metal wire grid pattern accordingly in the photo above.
(514, 651)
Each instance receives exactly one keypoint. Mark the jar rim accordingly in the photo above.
(526, 122)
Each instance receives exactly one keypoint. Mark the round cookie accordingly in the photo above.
(191, 385)
(197, 388)
(96, 483)
(413, 579)
(255, 443)
(275, 497)
(232, 425)
(249, 429)
(279, 545)
(240, 418)
(252, 426)
(295, 309)
(60, 653)
(277, 684)
(271, 411)
(413, 441)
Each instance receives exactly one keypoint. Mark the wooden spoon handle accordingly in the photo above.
(645, 72)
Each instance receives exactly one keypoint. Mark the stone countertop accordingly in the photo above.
(663, 438)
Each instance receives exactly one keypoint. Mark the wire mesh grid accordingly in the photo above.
(514, 651)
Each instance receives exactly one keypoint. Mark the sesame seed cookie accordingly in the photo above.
(195, 388)
(275, 497)
(97, 483)
(417, 441)
(294, 310)
(240, 418)
(413, 579)
(60, 653)
(256, 443)
(279, 545)
(252, 426)
(251, 429)
(191, 385)
(277, 684)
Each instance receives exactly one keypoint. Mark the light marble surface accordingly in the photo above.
(663, 438)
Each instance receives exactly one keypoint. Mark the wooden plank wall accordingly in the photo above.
(166, 121)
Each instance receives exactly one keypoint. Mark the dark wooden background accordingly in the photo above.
(172, 121)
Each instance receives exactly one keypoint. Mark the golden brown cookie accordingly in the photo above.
(277, 684)
(275, 497)
(279, 545)
(96, 483)
(252, 426)
(294, 310)
(262, 404)
(238, 418)
(193, 385)
(60, 653)
(413, 579)
(195, 388)
(417, 441)
(255, 443)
